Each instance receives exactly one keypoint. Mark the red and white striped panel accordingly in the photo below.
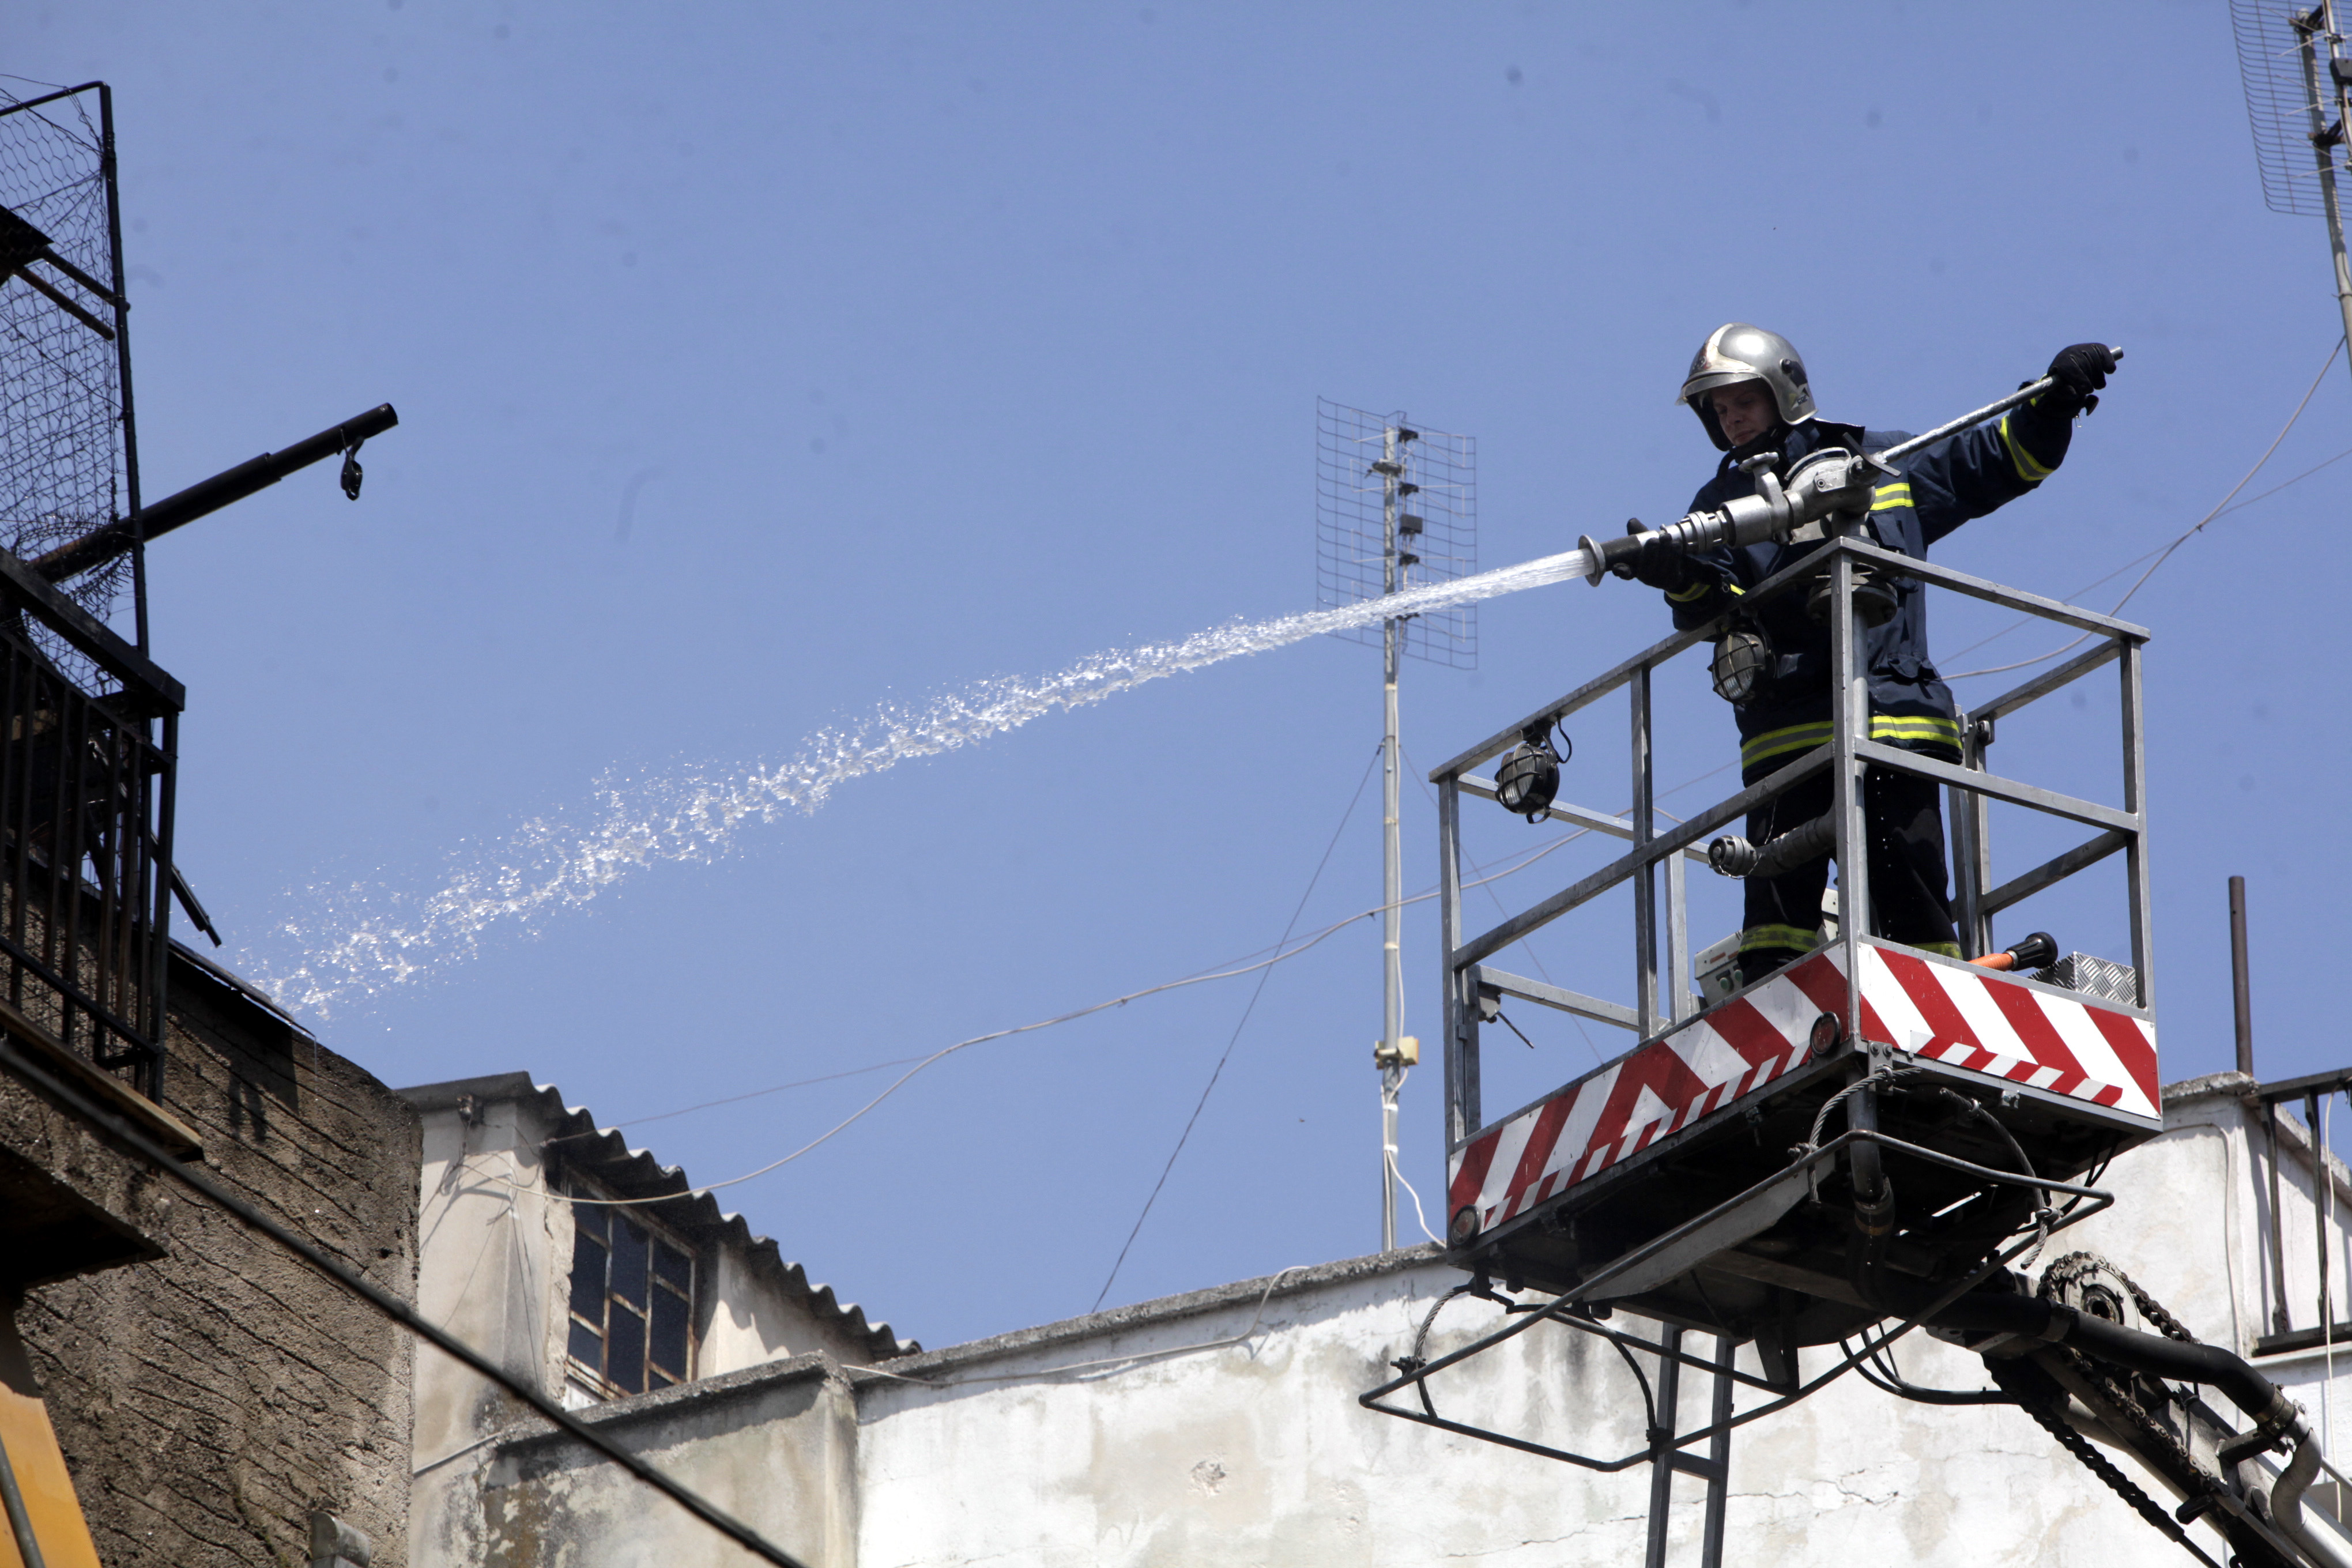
(1953, 1013)
(1956, 1013)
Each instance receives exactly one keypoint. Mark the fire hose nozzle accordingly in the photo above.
(2039, 950)
(1732, 855)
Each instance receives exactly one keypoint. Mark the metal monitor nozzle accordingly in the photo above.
(1749, 519)
(102, 545)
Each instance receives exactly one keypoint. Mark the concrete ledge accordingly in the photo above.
(1145, 1314)
(694, 1398)
(2230, 1085)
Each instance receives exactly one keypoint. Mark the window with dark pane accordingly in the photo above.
(632, 1303)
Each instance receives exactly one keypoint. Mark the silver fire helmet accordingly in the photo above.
(1738, 352)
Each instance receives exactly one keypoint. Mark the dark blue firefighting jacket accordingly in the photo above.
(1956, 479)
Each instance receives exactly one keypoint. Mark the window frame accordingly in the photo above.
(594, 1380)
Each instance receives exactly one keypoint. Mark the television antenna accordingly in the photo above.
(2296, 76)
(1395, 507)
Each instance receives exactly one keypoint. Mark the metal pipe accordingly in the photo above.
(2323, 1195)
(1851, 694)
(130, 492)
(2282, 1320)
(1461, 1019)
(2286, 1509)
(1718, 1453)
(2138, 892)
(20, 1522)
(1645, 879)
(2241, 989)
(2026, 394)
(1662, 1445)
(102, 545)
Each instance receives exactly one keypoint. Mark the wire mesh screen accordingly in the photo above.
(67, 465)
(2278, 103)
(1432, 490)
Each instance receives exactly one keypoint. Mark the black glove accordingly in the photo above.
(1656, 563)
(2080, 372)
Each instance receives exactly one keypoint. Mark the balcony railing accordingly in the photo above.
(88, 733)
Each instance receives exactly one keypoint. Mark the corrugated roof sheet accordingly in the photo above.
(605, 1157)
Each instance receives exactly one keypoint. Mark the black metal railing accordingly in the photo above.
(86, 798)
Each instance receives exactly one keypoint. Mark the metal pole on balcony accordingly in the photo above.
(2241, 987)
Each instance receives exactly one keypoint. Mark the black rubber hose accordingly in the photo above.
(2154, 1355)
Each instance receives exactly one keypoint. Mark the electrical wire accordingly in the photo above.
(737, 1099)
(2166, 554)
(1419, 1218)
(1302, 946)
(1236, 969)
(1525, 945)
(1251, 1006)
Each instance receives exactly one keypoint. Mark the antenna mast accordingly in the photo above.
(1414, 526)
(2291, 103)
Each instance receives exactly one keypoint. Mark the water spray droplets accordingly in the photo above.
(359, 941)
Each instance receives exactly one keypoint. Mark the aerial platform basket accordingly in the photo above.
(1718, 1106)
(1955, 1079)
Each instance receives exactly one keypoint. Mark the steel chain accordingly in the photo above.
(2047, 1416)
(2064, 1271)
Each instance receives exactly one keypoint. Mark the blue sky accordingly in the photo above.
(758, 364)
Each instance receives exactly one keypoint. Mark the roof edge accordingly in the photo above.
(637, 1174)
(1162, 1310)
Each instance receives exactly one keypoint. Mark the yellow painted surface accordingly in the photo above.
(40, 1464)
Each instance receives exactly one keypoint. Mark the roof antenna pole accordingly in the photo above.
(1392, 1054)
(2310, 27)
(1396, 509)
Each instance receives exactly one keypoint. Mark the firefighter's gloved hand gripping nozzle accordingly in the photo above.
(1830, 486)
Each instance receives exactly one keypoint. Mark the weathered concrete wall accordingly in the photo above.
(1222, 1428)
(778, 1443)
(749, 1320)
(209, 1401)
(496, 1270)
(1256, 1453)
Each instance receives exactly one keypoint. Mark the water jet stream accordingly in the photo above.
(361, 941)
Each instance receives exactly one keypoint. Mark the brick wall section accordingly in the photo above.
(208, 1402)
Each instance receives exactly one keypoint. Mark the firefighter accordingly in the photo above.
(1749, 390)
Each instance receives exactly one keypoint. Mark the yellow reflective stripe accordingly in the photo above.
(1886, 498)
(1775, 743)
(1914, 726)
(1755, 937)
(1687, 594)
(1883, 727)
(2028, 470)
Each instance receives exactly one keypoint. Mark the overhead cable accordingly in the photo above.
(2166, 554)
(1251, 1006)
(1304, 945)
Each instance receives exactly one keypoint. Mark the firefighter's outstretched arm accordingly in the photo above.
(1994, 463)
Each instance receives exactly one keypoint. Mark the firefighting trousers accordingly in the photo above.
(1909, 887)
